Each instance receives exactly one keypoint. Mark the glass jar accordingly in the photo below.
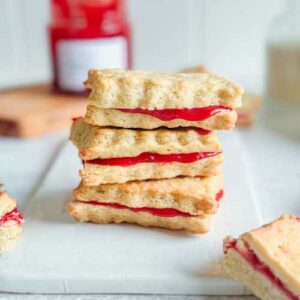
(86, 34)
(283, 56)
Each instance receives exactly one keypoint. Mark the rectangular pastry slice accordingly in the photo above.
(139, 99)
(179, 203)
(10, 222)
(83, 212)
(121, 155)
(267, 259)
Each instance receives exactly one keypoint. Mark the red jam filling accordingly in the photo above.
(260, 267)
(159, 212)
(149, 157)
(220, 195)
(188, 114)
(76, 118)
(202, 131)
(13, 215)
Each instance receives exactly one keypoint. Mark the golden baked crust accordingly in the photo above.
(196, 69)
(250, 103)
(9, 232)
(93, 174)
(196, 196)
(118, 88)
(238, 268)
(104, 215)
(97, 142)
(7, 204)
(278, 245)
(113, 117)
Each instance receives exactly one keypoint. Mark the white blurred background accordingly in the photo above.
(227, 35)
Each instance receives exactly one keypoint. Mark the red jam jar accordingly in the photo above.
(86, 34)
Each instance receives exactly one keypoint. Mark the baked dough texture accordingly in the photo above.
(238, 268)
(93, 174)
(83, 212)
(10, 230)
(196, 196)
(116, 88)
(113, 117)
(98, 142)
(7, 204)
(95, 142)
(195, 69)
(250, 103)
(9, 233)
(277, 245)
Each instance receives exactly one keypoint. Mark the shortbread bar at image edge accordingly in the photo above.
(267, 259)
(10, 222)
(139, 99)
(114, 155)
(178, 203)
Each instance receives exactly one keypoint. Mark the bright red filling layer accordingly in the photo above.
(160, 212)
(76, 118)
(202, 131)
(188, 114)
(260, 267)
(13, 215)
(220, 195)
(149, 157)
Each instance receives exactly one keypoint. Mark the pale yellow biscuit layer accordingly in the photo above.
(278, 246)
(117, 118)
(97, 142)
(117, 88)
(9, 232)
(7, 204)
(103, 215)
(238, 268)
(196, 196)
(93, 174)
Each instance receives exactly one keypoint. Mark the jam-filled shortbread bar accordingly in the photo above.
(178, 203)
(139, 99)
(115, 155)
(10, 222)
(267, 259)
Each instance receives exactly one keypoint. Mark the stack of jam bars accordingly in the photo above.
(150, 156)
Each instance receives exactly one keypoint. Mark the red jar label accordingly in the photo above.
(77, 56)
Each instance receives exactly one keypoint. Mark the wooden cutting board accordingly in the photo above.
(37, 110)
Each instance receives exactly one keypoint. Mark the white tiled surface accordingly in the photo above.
(227, 35)
(274, 163)
(24, 162)
(166, 262)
